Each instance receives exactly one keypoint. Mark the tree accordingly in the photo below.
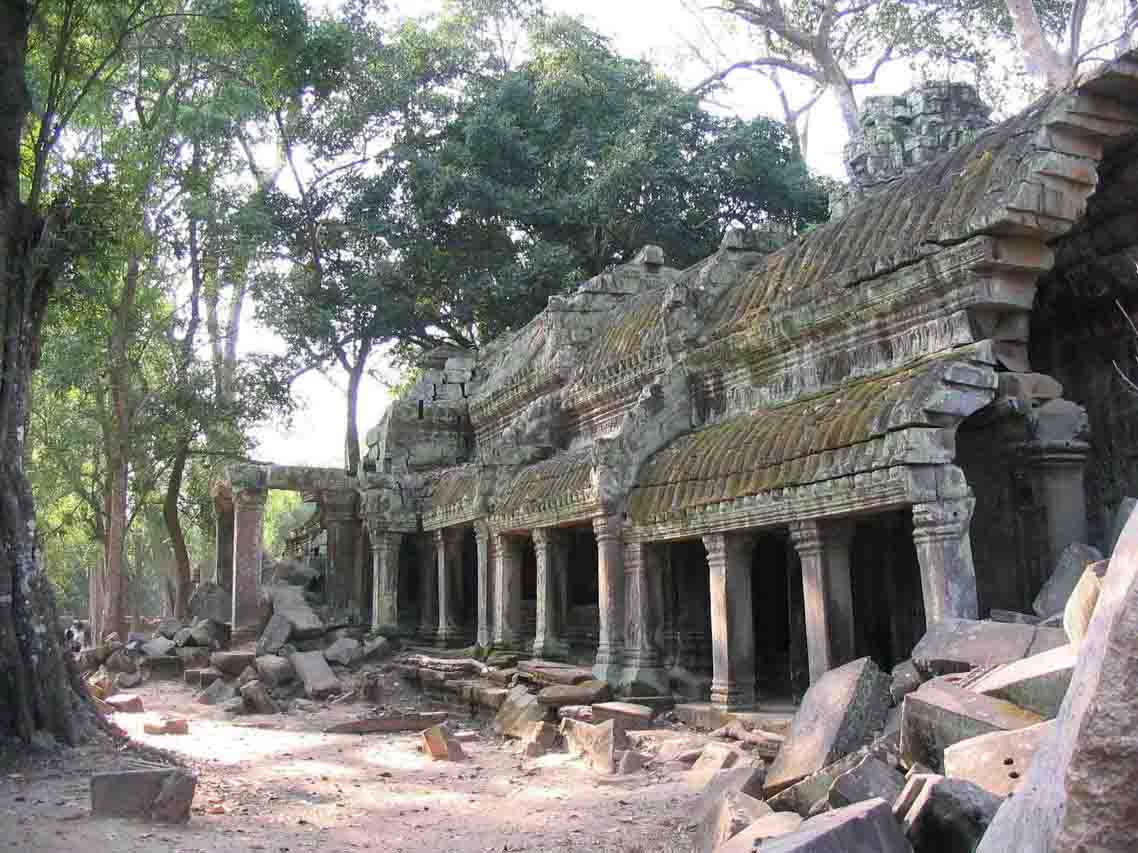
(1056, 65)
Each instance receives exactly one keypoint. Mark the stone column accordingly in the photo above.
(342, 524)
(428, 589)
(248, 533)
(485, 542)
(448, 545)
(507, 590)
(944, 551)
(823, 549)
(643, 570)
(223, 575)
(1057, 475)
(732, 620)
(552, 551)
(385, 580)
(610, 598)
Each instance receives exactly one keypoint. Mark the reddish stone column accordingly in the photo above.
(732, 620)
(824, 550)
(248, 533)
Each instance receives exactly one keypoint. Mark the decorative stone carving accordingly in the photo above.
(823, 547)
(732, 620)
(610, 595)
(944, 551)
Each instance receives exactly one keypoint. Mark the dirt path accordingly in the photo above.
(278, 784)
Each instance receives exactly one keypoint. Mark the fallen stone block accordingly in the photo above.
(184, 637)
(519, 710)
(584, 713)
(192, 657)
(629, 761)
(121, 661)
(593, 743)
(755, 835)
(392, 722)
(905, 679)
(625, 716)
(938, 813)
(997, 615)
(1037, 683)
(201, 677)
(158, 647)
(167, 628)
(802, 796)
(867, 826)
(163, 667)
(314, 673)
(870, 778)
(584, 693)
(837, 715)
(248, 674)
(275, 635)
(274, 670)
(1068, 569)
(959, 645)
(257, 698)
(1080, 606)
(377, 649)
(289, 602)
(125, 703)
(164, 796)
(941, 714)
(746, 778)
(540, 739)
(345, 651)
(998, 762)
(762, 743)
(1081, 790)
(550, 672)
(714, 758)
(167, 726)
(734, 812)
(231, 663)
(236, 705)
(440, 746)
(216, 693)
(127, 680)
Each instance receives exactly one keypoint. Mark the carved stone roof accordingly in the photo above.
(550, 492)
(451, 495)
(878, 422)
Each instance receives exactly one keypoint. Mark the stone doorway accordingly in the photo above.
(687, 619)
(408, 591)
(583, 620)
(781, 667)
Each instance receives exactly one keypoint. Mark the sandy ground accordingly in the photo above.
(277, 783)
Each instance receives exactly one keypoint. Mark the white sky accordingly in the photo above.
(651, 29)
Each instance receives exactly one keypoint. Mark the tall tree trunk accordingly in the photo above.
(1041, 57)
(35, 686)
(174, 529)
(352, 436)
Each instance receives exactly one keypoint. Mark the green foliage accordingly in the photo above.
(284, 511)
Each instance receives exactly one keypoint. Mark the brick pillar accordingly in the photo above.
(223, 574)
(610, 598)
(944, 551)
(448, 549)
(507, 590)
(248, 533)
(385, 580)
(643, 569)
(485, 542)
(824, 550)
(732, 620)
(552, 550)
(428, 589)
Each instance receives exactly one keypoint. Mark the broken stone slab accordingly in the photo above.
(714, 758)
(164, 796)
(377, 648)
(125, 703)
(584, 713)
(944, 814)
(314, 673)
(1082, 788)
(216, 693)
(870, 778)
(236, 705)
(1068, 569)
(941, 714)
(734, 812)
(998, 762)
(1080, 606)
(275, 635)
(274, 670)
(626, 716)
(127, 680)
(755, 835)
(393, 722)
(629, 761)
(801, 797)
(192, 657)
(905, 679)
(167, 628)
(289, 601)
(540, 739)
(163, 667)
(345, 651)
(519, 710)
(549, 672)
(959, 645)
(167, 726)
(760, 742)
(201, 677)
(231, 663)
(121, 661)
(593, 743)
(440, 746)
(248, 674)
(866, 826)
(257, 698)
(583, 693)
(158, 647)
(744, 777)
(997, 615)
(837, 715)
(1118, 523)
(1037, 683)
(184, 637)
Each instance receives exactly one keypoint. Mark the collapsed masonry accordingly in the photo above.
(724, 481)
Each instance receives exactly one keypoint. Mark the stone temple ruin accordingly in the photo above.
(723, 481)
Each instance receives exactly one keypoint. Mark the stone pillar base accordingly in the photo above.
(551, 649)
(733, 696)
(610, 672)
(640, 679)
(451, 637)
